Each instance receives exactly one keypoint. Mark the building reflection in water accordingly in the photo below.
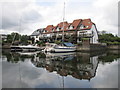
(78, 65)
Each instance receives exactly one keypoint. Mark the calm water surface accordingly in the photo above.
(60, 70)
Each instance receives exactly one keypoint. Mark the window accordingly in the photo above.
(81, 27)
(71, 27)
(52, 29)
(89, 32)
(44, 31)
(92, 32)
(89, 22)
(57, 28)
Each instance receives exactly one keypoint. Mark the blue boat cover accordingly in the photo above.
(69, 44)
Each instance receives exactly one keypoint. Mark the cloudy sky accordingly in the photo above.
(25, 16)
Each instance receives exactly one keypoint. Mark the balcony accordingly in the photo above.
(87, 35)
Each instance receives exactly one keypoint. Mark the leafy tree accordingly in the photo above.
(40, 43)
(109, 38)
(16, 38)
(13, 37)
(24, 39)
(57, 42)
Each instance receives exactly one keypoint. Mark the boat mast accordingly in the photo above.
(20, 29)
(13, 39)
(63, 81)
(63, 22)
(18, 33)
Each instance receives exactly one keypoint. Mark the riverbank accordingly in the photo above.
(114, 47)
(91, 47)
(87, 47)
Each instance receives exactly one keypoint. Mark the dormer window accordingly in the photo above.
(62, 28)
(71, 27)
(81, 27)
(67, 28)
(57, 28)
(87, 26)
(44, 31)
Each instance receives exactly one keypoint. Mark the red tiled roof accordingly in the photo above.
(49, 28)
(75, 23)
(60, 25)
(87, 24)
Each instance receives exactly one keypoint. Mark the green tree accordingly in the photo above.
(13, 37)
(16, 38)
(109, 38)
(24, 39)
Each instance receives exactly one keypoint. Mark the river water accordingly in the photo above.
(60, 70)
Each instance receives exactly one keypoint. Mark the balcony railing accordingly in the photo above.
(86, 35)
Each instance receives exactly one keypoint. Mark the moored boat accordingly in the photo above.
(24, 48)
(65, 47)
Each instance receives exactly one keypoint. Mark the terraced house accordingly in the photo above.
(73, 32)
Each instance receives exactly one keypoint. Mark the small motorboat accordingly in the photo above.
(25, 48)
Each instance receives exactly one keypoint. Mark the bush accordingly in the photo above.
(79, 44)
(40, 43)
(113, 43)
(85, 38)
(57, 42)
(108, 38)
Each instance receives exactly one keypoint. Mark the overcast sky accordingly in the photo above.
(25, 16)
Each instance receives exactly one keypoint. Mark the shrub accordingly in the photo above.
(57, 42)
(40, 43)
(113, 43)
(85, 38)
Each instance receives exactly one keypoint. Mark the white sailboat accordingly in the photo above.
(64, 47)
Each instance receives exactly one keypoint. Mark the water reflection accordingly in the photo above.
(80, 66)
(69, 64)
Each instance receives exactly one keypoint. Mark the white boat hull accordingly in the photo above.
(64, 49)
(60, 49)
(24, 48)
(52, 47)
